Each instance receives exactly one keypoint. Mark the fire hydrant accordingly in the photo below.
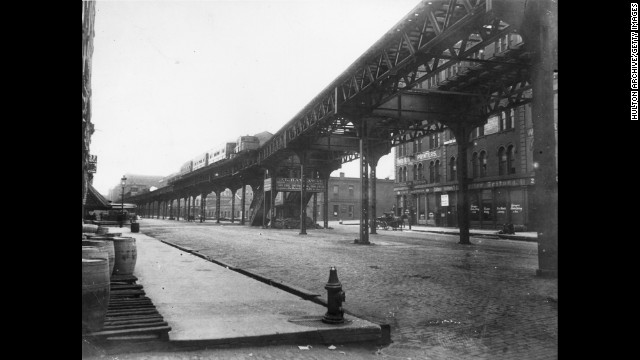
(335, 298)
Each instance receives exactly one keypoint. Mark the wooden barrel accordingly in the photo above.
(95, 293)
(126, 255)
(105, 245)
(89, 228)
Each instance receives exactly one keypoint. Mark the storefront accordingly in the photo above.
(491, 204)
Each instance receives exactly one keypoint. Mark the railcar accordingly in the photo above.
(246, 143)
(186, 167)
(201, 161)
(221, 152)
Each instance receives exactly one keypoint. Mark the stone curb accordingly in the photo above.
(292, 289)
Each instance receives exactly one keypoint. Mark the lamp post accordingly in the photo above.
(123, 182)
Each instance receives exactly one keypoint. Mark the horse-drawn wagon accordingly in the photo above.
(389, 220)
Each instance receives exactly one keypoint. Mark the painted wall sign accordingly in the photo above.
(295, 184)
(267, 185)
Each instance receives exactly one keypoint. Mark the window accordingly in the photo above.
(511, 160)
(431, 172)
(475, 165)
(335, 190)
(335, 210)
(351, 190)
(404, 173)
(415, 146)
(502, 161)
(507, 119)
(351, 211)
(399, 174)
(420, 144)
(420, 171)
(452, 169)
(415, 172)
(437, 171)
(433, 141)
(483, 163)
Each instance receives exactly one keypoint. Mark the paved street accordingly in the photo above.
(443, 300)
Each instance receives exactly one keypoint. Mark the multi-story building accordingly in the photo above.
(88, 161)
(500, 166)
(344, 199)
(135, 184)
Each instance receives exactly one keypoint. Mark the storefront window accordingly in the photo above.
(487, 207)
(474, 207)
(516, 206)
(501, 207)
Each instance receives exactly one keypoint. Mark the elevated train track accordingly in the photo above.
(389, 95)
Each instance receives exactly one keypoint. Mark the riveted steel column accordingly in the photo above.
(218, 206)
(233, 205)
(244, 191)
(158, 210)
(364, 185)
(545, 190)
(274, 192)
(461, 133)
(178, 212)
(315, 208)
(372, 177)
(303, 194)
(264, 200)
(325, 201)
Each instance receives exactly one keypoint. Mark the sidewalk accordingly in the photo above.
(207, 304)
(523, 236)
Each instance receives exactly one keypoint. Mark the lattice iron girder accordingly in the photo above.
(417, 31)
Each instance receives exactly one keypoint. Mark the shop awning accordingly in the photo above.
(95, 201)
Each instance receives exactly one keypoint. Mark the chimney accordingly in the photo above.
(341, 174)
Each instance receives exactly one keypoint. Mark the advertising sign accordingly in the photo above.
(295, 184)
(444, 200)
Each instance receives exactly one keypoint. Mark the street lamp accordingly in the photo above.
(123, 182)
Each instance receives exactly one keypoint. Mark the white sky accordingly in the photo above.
(172, 79)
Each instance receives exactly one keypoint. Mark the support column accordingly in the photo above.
(233, 205)
(372, 177)
(264, 201)
(274, 192)
(314, 215)
(158, 210)
(178, 215)
(218, 206)
(242, 205)
(303, 194)
(544, 209)
(325, 201)
(203, 206)
(461, 133)
(364, 185)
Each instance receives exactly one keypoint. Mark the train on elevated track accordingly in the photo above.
(222, 152)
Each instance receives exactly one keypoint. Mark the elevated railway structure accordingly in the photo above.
(425, 74)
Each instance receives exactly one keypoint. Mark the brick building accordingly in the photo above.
(135, 184)
(345, 202)
(500, 166)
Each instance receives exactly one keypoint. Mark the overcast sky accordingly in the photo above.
(172, 79)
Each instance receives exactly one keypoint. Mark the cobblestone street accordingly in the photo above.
(442, 300)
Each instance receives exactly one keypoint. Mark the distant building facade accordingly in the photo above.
(345, 202)
(135, 184)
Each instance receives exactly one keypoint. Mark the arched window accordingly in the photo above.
(404, 174)
(453, 167)
(475, 165)
(420, 171)
(502, 161)
(437, 170)
(483, 163)
(431, 172)
(415, 172)
(399, 174)
(511, 160)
